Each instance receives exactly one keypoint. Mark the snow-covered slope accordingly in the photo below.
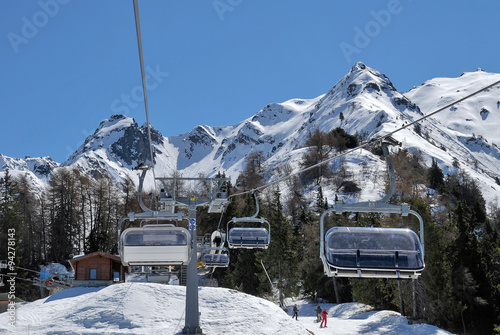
(364, 102)
(36, 170)
(467, 132)
(146, 308)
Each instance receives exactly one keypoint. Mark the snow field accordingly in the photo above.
(147, 308)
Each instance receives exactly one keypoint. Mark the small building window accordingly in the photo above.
(93, 274)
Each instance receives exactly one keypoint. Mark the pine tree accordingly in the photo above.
(31, 227)
(321, 201)
(16, 224)
(130, 202)
(317, 152)
(251, 176)
(282, 256)
(434, 287)
(63, 218)
(435, 176)
(10, 215)
(340, 140)
(490, 253)
(469, 279)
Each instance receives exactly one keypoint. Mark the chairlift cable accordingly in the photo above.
(143, 75)
(38, 272)
(366, 144)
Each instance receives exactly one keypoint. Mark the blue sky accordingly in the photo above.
(66, 65)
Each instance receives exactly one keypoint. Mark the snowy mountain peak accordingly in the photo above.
(106, 134)
(115, 124)
(363, 102)
(359, 65)
(117, 146)
(202, 135)
(116, 120)
(360, 73)
(362, 78)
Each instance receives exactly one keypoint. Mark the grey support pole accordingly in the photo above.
(192, 325)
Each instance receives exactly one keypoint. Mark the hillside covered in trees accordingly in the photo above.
(459, 289)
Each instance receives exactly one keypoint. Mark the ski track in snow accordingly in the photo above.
(147, 308)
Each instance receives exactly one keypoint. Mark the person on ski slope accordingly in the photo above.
(318, 313)
(324, 314)
(295, 312)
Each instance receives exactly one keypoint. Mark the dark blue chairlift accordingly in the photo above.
(249, 237)
(374, 252)
(255, 233)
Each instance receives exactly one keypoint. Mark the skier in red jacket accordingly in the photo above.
(324, 314)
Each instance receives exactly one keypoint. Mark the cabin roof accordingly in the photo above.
(94, 254)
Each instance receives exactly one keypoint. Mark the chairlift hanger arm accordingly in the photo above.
(156, 215)
(252, 218)
(144, 169)
(390, 170)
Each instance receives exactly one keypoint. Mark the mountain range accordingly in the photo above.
(364, 102)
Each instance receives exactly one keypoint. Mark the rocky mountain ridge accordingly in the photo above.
(364, 102)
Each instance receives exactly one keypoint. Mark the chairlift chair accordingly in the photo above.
(162, 244)
(216, 257)
(373, 252)
(249, 237)
(214, 254)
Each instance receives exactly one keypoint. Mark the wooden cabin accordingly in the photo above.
(97, 269)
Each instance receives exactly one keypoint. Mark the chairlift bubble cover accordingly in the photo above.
(155, 245)
(247, 237)
(374, 248)
(216, 260)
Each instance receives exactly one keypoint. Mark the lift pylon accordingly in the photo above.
(154, 244)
